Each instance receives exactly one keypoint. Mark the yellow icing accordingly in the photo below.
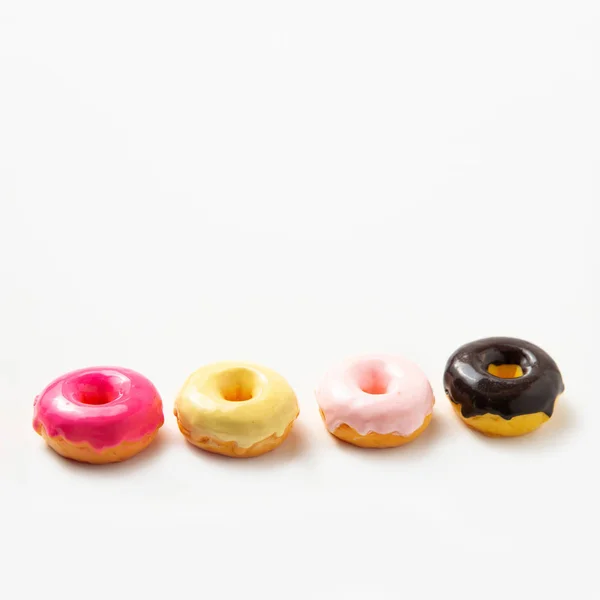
(236, 402)
(496, 426)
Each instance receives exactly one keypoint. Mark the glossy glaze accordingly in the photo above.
(235, 402)
(477, 392)
(100, 406)
(375, 394)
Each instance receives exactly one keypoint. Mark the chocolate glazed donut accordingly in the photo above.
(502, 386)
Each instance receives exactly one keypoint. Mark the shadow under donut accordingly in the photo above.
(414, 450)
(294, 445)
(144, 458)
(558, 429)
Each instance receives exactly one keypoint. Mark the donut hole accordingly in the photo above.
(372, 377)
(238, 385)
(505, 371)
(96, 389)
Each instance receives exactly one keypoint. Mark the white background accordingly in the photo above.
(290, 184)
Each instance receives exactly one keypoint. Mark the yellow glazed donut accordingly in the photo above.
(237, 409)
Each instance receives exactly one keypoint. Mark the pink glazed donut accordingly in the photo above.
(376, 401)
(99, 415)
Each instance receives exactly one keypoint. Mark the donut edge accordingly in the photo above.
(85, 453)
(231, 448)
(373, 439)
(492, 425)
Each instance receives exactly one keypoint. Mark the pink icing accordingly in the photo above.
(377, 393)
(103, 406)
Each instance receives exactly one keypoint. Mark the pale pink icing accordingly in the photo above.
(103, 406)
(377, 393)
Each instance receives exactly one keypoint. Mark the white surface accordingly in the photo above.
(183, 182)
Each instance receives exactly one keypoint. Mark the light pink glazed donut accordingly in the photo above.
(99, 415)
(376, 401)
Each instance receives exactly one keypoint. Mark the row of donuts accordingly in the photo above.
(499, 386)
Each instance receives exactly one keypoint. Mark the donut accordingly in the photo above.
(98, 415)
(236, 409)
(502, 386)
(375, 401)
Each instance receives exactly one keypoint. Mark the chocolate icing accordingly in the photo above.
(469, 384)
